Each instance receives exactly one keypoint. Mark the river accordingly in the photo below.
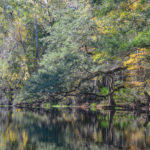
(73, 129)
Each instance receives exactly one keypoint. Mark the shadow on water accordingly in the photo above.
(73, 129)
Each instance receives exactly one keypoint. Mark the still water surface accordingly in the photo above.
(73, 129)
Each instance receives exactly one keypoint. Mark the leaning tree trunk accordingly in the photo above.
(110, 87)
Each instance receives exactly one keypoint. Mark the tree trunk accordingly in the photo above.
(37, 53)
(110, 87)
(148, 99)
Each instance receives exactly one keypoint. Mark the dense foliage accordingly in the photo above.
(88, 50)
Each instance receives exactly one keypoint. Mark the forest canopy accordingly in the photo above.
(74, 51)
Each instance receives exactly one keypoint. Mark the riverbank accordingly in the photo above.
(85, 106)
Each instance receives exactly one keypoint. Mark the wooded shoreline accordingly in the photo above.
(75, 53)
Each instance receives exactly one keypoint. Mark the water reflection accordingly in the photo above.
(73, 129)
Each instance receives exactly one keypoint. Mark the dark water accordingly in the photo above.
(73, 129)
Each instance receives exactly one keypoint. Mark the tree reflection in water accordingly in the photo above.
(73, 129)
